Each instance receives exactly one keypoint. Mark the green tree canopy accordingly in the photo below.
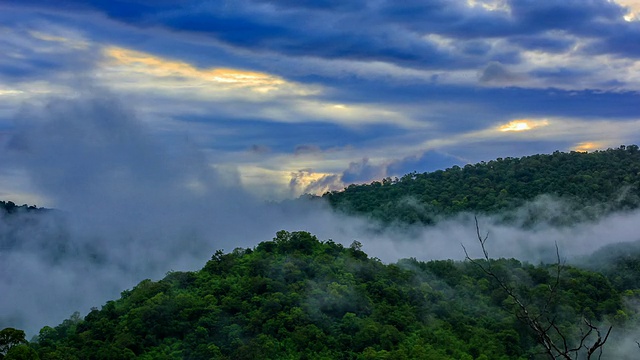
(10, 337)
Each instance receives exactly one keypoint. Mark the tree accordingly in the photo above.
(10, 337)
(21, 352)
(540, 318)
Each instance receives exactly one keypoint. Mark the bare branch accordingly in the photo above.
(540, 324)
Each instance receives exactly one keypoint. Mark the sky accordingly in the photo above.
(292, 97)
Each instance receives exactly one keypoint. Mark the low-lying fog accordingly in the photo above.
(131, 207)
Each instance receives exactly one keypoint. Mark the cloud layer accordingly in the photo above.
(380, 80)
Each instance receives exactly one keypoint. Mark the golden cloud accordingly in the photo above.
(588, 146)
(72, 43)
(633, 9)
(140, 63)
(522, 125)
(151, 75)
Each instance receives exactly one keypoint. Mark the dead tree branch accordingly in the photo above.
(544, 327)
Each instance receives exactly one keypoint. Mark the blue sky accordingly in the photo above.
(308, 96)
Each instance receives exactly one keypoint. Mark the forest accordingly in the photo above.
(299, 297)
(592, 184)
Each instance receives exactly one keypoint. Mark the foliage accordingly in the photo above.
(618, 262)
(296, 297)
(9, 338)
(21, 352)
(592, 183)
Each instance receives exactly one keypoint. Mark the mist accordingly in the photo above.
(130, 206)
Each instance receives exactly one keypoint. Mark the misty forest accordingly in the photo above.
(416, 267)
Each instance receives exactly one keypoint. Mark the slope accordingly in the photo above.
(296, 297)
(591, 184)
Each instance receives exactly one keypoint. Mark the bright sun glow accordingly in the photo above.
(633, 7)
(522, 125)
(10, 92)
(587, 146)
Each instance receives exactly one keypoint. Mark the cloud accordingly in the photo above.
(364, 171)
(553, 42)
(498, 73)
(632, 7)
(555, 14)
(523, 125)
(259, 149)
(149, 71)
(37, 50)
(589, 146)
(306, 149)
(309, 182)
(131, 208)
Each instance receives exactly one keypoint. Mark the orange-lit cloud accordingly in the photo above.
(522, 125)
(588, 146)
(633, 9)
(149, 74)
(141, 63)
(70, 42)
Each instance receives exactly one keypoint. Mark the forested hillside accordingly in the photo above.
(296, 297)
(591, 183)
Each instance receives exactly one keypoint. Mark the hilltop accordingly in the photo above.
(587, 184)
(297, 297)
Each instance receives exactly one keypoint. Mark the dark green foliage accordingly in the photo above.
(10, 338)
(21, 352)
(300, 298)
(591, 183)
(618, 262)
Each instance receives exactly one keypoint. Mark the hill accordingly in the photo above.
(296, 297)
(588, 185)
